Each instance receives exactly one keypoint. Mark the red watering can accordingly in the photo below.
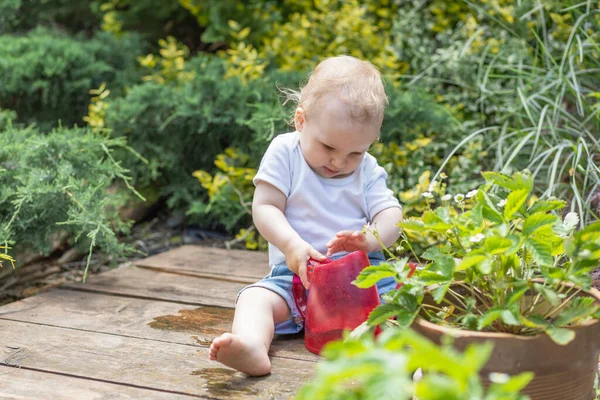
(334, 304)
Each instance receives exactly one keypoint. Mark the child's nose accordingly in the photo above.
(338, 162)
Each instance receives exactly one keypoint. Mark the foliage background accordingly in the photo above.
(190, 90)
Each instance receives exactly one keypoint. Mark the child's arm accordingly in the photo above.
(386, 225)
(267, 213)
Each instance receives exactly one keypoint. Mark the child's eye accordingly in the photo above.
(329, 148)
(356, 154)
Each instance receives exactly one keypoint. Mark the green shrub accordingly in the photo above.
(6, 118)
(182, 127)
(151, 19)
(56, 184)
(45, 76)
(23, 15)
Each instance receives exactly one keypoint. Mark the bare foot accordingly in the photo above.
(243, 353)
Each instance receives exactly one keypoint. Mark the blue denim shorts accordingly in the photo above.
(280, 282)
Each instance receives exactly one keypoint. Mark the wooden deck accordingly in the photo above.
(142, 331)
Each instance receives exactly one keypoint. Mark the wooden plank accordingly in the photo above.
(211, 261)
(155, 320)
(19, 383)
(144, 363)
(142, 283)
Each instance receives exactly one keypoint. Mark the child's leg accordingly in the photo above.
(246, 348)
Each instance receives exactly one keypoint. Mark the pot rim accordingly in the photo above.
(462, 333)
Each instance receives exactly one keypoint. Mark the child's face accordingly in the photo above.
(333, 145)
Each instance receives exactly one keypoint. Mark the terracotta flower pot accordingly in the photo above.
(561, 372)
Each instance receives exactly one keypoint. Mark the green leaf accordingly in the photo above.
(444, 214)
(470, 261)
(476, 356)
(432, 253)
(509, 318)
(413, 224)
(534, 321)
(594, 227)
(371, 275)
(435, 223)
(439, 292)
(437, 387)
(405, 318)
(406, 301)
(476, 215)
(445, 265)
(500, 180)
(383, 312)
(488, 317)
(579, 309)
(560, 336)
(485, 267)
(540, 251)
(497, 244)
(546, 205)
(514, 201)
(431, 277)
(516, 294)
(514, 384)
(536, 221)
(548, 293)
(489, 208)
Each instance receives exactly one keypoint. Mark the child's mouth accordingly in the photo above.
(330, 171)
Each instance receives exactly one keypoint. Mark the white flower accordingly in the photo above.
(497, 377)
(427, 195)
(477, 238)
(472, 193)
(433, 186)
(501, 203)
(446, 197)
(459, 197)
(443, 175)
(571, 220)
(585, 253)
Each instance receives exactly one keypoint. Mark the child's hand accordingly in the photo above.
(349, 241)
(297, 253)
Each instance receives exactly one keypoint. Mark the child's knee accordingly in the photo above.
(261, 297)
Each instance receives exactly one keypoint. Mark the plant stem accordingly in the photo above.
(405, 240)
(562, 304)
(476, 293)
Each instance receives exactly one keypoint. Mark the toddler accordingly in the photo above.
(316, 189)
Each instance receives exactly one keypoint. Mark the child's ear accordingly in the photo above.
(299, 119)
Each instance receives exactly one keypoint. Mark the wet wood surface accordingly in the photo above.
(156, 320)
(141, 332)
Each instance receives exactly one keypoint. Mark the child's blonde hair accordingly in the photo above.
(358, 83)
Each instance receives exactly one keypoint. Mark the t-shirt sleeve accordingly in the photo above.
(378, 195)
(275, 166)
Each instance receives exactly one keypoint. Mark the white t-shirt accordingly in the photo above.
(317, 208)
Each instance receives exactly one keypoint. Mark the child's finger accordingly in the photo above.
(316, 255)
(333, 249)
(303, 274)
(344, 233)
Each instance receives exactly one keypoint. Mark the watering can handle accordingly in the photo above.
(299, 293)
(298, 290)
